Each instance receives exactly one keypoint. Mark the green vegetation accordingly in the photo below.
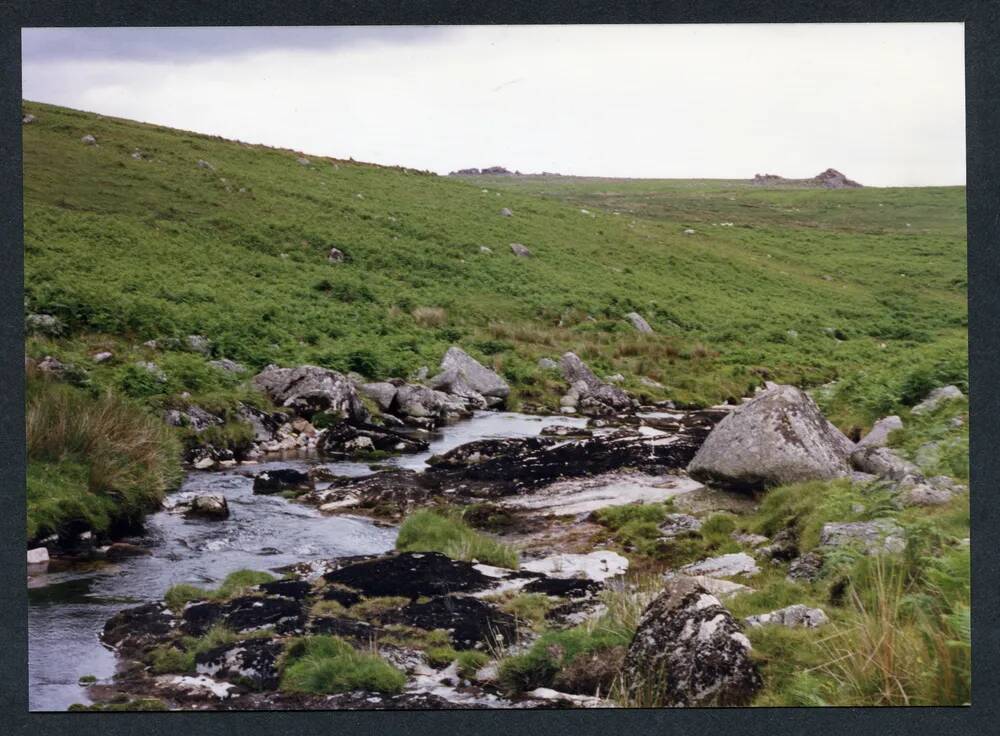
(864, 286)
(95, 460)
(936, 443)
(235, 584)
(328, 664)
(124, 705)
(434, 531)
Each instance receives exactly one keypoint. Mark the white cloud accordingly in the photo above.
(882, 102)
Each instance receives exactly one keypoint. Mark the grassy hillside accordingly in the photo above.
(806, 286)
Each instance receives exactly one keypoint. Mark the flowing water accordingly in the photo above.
(67, 608)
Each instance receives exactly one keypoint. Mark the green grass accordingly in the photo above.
(125, 250)
(328, 664)
(235, 584)
(95, 460)
(934, 443)
(432, 531)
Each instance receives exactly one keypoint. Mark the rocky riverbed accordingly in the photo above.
(422, 629)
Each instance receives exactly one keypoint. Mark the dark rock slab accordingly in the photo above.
(412, 575)
(472, 623)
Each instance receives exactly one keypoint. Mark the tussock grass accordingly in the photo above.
(235, 584)
(328, 664)
(93, 461)
(432, 531)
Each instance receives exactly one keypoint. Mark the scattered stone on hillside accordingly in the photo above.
(945, 483)
(777, 438)
(589, 394)
(689, 651)
(228, 366)
(750, 540)
(210, 506)
(650, 383)
(281, 479)
(198, 344)
(784, 546)
(924, 494)
(44, 324)
(937, 397)
(308, 389)
(485, 249)
(638, 322)
(138, 155)
(28, 119)
(880, 535)
(505, 212)
(807, 567)
(88, 140)
(520, 250)
(879, 434)
(336, 255)
(547, 364)
(202, 164)
(598, 565)
(724, 566)
(51, 365)
(795, 616)
(884, 463)
(680, 525)
(38, 556)
(303, 160)
(102, 357)
(265, 425)
(689, 231)
(152, 369)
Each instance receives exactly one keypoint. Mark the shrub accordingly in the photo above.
(328, 664)
(430, 531)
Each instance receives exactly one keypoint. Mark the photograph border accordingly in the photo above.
(982, 84)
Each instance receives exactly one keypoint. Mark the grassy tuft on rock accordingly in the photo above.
(328, 664)
(432, 531)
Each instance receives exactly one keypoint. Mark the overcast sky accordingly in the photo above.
(884, 103)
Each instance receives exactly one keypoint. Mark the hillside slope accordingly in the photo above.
(130, 240)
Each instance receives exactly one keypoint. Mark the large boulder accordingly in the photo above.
(688, 650)
(588, 392)
(461, 374)
(776, 438)
(872, 537)
(421, 402)
(309, 389)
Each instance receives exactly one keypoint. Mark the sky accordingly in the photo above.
(883, 103)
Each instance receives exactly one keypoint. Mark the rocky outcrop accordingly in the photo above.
(730, 565)
(347, 439)
(463, 376)
(309, 389)
(520, 250)
(828, 179)
(689, 651)
(208, 507)
(777, 438)
(590, 395)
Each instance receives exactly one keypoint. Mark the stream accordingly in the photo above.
(67, 608)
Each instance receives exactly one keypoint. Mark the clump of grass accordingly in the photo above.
(470, 661)
(636, 526)
(370, 608)
(431, 531)
(430, 316)
(556, 650)
(328, 664)
(235, 584)
(717, 533)
(529, 607)
(93, 460)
